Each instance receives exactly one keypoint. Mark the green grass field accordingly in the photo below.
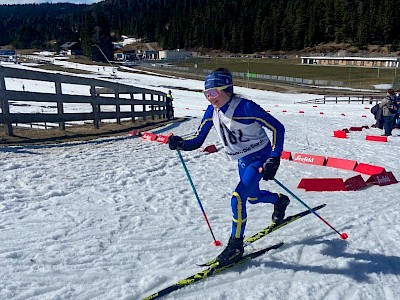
(354, 77)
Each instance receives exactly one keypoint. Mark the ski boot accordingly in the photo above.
(280, 208)
(232, 253)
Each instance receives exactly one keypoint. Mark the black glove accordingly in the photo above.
(175, 142)
(270, 167)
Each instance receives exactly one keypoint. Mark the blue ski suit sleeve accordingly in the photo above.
(195, 141)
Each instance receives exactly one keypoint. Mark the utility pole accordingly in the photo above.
(113, 75)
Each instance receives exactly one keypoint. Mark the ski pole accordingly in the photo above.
(216, 242)
(343, 235)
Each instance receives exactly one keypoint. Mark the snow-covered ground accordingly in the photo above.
(116, 218)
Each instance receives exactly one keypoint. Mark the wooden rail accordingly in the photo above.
(129, 102)
(367, 99)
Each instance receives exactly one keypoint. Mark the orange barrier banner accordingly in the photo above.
(368, 169)
(149, 136)
(384, 178)
(210, 149)
(309, 159)
(322, 184)
(355, 183)
(376, 138)
(340, 163)
(340, 134)
(286, 155)
(162, 139)
(355, 128)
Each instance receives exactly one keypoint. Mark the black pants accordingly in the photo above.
(170, 112)
(388, 124)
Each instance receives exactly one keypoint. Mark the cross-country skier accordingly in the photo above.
(239, 123)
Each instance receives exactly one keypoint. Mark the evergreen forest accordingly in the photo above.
(237, 26)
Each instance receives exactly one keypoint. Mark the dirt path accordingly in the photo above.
(27, 136)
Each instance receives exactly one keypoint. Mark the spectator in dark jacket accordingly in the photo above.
(170, 107)
(388, 112)
(377, 112)
(397, 116)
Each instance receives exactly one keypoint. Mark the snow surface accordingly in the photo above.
(116, 218)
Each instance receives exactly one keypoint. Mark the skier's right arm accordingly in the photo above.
(194, 142)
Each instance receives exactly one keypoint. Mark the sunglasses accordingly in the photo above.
(215, 92)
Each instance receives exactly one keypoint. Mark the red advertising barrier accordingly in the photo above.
(322, 184)
(340, 134)
(384, 178)
(286, 155)
(149, 136)
(210, 149)
(376, 138)
(355, 128)
(309, 159)
(340, 163)
(162, 139)
(355, 183)
(368, 169)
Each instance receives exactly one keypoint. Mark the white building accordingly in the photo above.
(379, 62)
(174, 54)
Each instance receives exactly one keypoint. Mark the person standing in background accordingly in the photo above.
(170, 107)
(388, 111)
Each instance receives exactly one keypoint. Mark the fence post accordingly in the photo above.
(95, 107)
(160, 107)
(117, 106)
(60, 105)
(152, 106)
(133, 107)
(144, 106)
(5, 108)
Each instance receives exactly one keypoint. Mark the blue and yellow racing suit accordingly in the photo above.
(239, 124)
